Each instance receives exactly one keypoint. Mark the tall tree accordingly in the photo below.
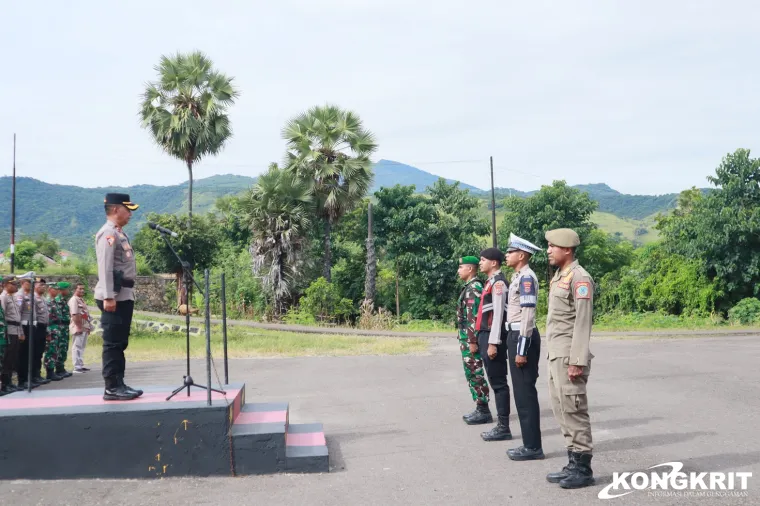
(555, 206)
(722, 229)
(277, 209)
(330, 148)
(186, 110)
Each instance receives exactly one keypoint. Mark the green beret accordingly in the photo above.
(563, 237)
(469, 260)
(63, 285)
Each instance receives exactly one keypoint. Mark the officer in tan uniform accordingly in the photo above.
(568, 332)
(114, 293)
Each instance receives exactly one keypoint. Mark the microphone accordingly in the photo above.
(162, 229)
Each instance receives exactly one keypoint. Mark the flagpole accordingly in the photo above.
(13, 209)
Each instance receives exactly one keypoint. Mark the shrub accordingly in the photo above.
(746, 312)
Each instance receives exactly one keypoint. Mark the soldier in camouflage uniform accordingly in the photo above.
(3, 342)
(467, 311)
(54, 337)
(63, 344)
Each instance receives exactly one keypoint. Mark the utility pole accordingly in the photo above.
(13, 209)
(493, 208)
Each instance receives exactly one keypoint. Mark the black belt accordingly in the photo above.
(128, 283)
(11, 322)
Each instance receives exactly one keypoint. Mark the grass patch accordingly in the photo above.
(425, 326)
(250, 343)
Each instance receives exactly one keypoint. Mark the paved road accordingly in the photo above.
(395, 434)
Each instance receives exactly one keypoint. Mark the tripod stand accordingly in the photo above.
(187, 279)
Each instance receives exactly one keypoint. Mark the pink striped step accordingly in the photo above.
(306, 449)
(258, 438)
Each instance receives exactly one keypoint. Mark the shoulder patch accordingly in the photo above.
(498, 288)
(527, 286)
(583, 290)
(110, 240)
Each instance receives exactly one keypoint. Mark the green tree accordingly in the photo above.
(555, 206)
(330, 149)
(277, 209)
(24, 257)
(196, 244)
(423, 236)
(46, 245)
(186, 110)
(722, 229)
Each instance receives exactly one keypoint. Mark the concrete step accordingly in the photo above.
(258, 438)
(306, 449)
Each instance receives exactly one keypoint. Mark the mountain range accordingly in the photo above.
(72, 214)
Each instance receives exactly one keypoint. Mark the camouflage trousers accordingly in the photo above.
(474, 372)
(63, 347)
(51, 347)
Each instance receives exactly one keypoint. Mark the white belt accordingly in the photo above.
(512, 326)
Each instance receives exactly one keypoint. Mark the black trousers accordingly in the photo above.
(524, 386)
(23, 356)
(10, 360)
(40, 331)
(496, 371)
(40, 339)
(116, 326)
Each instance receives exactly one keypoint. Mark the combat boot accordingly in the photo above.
(52, 376)
(135, 391)
(481, 415)
(523, 453)
(581, 475)
(500, 431)
(62, 372)
(116, 391)
(558, 477)
(40, 380)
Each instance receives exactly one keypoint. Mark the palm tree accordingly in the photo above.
(329, 148)
(277, 209)
(186, 110)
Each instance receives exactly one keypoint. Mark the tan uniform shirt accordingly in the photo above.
(568, 324)
(41, 310)
(24, 301)
(12, 313)
(114, 253)
(523, 295)
(78, 306)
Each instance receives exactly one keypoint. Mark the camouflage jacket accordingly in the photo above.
(54, 313)
(3, 338)
(63, 311)
(467, 310)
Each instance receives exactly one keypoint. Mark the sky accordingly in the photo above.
(646, 96)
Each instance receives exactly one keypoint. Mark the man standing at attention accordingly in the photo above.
(13, 332)
(80, 327)
(114, 293)
(467, 312)
(568, 332)
(492, 339)
(524, 347)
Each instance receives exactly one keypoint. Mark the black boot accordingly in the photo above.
(116, 391)
(523, 453)
(481, 415)
(500, 431)
(41, 380)
(581, 475)
(52, 376)
(62, 372)
(135, 391)
(558, 477)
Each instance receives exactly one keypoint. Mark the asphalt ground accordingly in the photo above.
(395, 433)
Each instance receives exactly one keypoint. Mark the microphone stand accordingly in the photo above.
(187, 277)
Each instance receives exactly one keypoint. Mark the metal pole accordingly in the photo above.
(29, 374)
(208, 343)
(224, 329)
(13, 209)
(493, 208)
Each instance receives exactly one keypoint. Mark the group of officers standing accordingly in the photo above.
(498, 333)
(46, 317)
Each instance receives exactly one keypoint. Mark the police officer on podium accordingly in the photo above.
(114, 293)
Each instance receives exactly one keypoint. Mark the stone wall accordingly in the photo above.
(150, 291)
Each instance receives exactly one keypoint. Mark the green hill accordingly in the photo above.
(72, 214)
